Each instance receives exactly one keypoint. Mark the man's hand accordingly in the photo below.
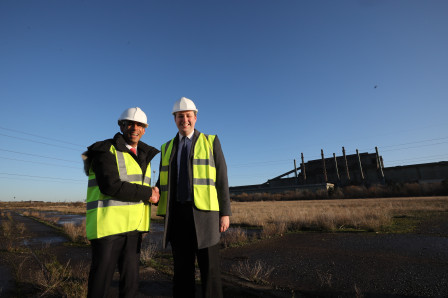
(224, 223)
(155, 196)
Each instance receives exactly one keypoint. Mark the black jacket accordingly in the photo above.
(105, 167)
(206, 222)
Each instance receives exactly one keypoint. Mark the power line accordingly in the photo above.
(36, 162)
(48, 157)
(39, 180)
(420, 158)
(34, 135)
(414, 147)
(34, 141)
(409, 143)
(42, 177)
(422, 141)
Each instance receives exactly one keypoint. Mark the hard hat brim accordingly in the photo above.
(144, 124)
(186, 110)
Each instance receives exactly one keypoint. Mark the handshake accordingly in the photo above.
(155, 196)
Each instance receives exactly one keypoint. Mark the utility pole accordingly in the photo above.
(379, 166)
(346, 165)
(295, 170)
(323, 165)
(336, 167)
(360, 165)
(303, 169)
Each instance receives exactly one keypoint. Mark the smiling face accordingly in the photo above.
(132, 131)
(185, 122)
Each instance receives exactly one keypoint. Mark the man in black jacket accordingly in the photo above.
(119, 196)
(195, 202)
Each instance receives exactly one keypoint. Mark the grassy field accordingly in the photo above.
(267, 218)
(396, 215)
(370, 214)
(332, 215)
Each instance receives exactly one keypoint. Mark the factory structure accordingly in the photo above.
(353, 169)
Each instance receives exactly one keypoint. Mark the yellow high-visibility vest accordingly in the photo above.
(204, 175)
(108, 216)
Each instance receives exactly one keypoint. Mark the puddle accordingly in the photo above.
(44, 240)
(70, 218)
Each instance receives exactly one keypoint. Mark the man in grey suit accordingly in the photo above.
(195, 201)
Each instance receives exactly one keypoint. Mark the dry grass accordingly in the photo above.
(258, 272)
(11, 233)
(49, 218)
(61, 207)
(234, 236)
(358, 292)
(147, 252)
(64, 208)
(52, 276)
(277, 217)
(60, 280)
(76, 233)
(325, 278)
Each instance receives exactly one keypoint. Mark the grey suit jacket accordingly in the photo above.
(206, 222)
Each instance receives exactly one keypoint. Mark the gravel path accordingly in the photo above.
(347, 265)
(355, 264)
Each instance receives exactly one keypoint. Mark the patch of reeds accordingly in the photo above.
(76, 232)
(52, 275)
(257, 272)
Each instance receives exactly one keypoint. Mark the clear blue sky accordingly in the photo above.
(271, 78)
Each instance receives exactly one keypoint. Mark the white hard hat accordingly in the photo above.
(184, 104)
(134, 114)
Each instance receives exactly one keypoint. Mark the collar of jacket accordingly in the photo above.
(119, 143)
(143, 148)
(193, 138)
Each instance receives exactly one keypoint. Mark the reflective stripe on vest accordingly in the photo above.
(108, 216)
(204, 175)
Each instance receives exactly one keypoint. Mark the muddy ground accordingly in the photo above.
(304, 264)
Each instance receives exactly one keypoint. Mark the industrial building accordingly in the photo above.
(354, 169)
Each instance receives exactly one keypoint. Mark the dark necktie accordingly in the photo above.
(183, 187)
(133, 150)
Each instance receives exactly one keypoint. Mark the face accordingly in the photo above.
(132, 131)
(185, 122)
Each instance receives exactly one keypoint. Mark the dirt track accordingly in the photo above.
(305, 264)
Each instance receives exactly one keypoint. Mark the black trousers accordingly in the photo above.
(108, 252)
(185, 252)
